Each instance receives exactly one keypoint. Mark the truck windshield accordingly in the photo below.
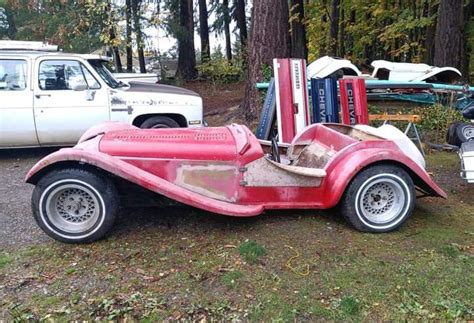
(104, 73)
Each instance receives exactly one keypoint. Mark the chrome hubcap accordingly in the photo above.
(382, 200)
(72, 208)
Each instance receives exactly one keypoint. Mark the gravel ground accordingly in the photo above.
(17, 226)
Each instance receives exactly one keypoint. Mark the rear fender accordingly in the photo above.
(138, 176)
(342, 170)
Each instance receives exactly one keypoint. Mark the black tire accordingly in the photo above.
(74, 205)
(465, 132)
(459, 132)
(379, 199)
(159, 122)
(450, 134)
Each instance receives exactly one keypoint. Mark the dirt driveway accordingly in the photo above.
(17, 227)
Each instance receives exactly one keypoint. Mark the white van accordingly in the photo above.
(49, 98)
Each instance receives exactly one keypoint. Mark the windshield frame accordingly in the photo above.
(104, 73)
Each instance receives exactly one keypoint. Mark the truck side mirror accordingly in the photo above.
(77, 84)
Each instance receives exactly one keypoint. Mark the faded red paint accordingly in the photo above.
(163, 161)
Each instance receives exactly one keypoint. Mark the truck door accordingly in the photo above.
(17, 124)
(68, 99)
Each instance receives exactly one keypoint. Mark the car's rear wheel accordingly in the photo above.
(159, 122)
(379, 199)
(75, 205)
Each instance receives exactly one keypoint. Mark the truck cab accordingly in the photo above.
(49, 98)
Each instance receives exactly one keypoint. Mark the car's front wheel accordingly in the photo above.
(379, 199)
(75, 205)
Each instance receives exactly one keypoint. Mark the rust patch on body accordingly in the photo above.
(216, 180)
(262, 172)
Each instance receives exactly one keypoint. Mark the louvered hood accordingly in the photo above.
(187, 144)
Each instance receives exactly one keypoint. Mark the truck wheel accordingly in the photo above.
(465, 132)
(159, 122)
(74, 205)
(459, 132)
(379, 199)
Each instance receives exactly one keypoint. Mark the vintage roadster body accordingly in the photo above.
(227, 170)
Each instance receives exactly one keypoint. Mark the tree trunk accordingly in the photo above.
(116, 53)
(299, 48)
(350, 37)
(449, 47)
(228, 44)
(334, 29)
(186, 53)
(431, 10)
(368, 49)
(269, 39)
(128, 27)
(324, 19)
(138, 34)
(204, 31)
(468, 13)
(342, 33)
(241, 22)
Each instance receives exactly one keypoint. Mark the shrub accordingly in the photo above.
(436, 119)
(221, 71)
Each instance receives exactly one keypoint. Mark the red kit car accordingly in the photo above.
(227, 170)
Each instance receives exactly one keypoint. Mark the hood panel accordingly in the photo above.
(159, 88)
(216, 144)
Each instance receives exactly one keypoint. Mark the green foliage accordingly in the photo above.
(221, 71)
(250, 250)
(436, 119)
(267, 72)
(393, 30)
(68, 24)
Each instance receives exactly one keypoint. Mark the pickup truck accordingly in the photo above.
(49, 98)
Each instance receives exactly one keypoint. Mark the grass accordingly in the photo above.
(251, 251)
(5, 260)
(191, 265)
(231, 279)
(349, 306)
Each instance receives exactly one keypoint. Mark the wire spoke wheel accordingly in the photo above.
(382, 201)
(379, 199)
(75, 205)
(72, 208)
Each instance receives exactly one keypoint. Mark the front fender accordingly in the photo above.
(83, 154)
(342, 170)
(103, 128)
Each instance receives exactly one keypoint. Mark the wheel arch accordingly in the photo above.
(64, 164)
(416, 178)
(179, 118)
(340, 178)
